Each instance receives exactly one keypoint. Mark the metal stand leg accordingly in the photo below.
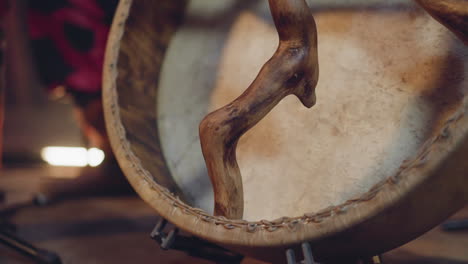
(202, 249)
(23, 247)
(9, 239)
(306, 252)
(455, 225)
(193, 246)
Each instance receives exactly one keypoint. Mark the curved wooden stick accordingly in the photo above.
(451, 13)
(293, 69)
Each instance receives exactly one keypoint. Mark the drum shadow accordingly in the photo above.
(442, 98)
(448, 92)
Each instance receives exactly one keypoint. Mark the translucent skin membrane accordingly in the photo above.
(384, 84)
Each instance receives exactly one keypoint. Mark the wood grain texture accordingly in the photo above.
(293, 69)
(138, 80)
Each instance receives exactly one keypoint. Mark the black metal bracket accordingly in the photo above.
(306, 252)
(168, 237)
(11, 240)
(455, 225)
(39, 255)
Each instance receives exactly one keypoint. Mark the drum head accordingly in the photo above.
(380, 94)
(386, 135)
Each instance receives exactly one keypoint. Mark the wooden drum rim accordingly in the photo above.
(440, 158)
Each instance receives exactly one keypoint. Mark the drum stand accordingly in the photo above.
(169, 238)
(193, 246)
(11, 240)
(306, 252)
(455, 225)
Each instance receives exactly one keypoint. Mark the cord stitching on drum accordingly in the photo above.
(290, 223)
(422, 158)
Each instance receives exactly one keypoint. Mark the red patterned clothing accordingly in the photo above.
(68, 39)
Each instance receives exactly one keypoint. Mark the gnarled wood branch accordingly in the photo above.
(293, 69)
(451, 13)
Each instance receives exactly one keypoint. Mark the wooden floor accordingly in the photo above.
(116, 230)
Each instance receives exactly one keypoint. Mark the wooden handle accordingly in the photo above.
(293, 69)
(451, 13)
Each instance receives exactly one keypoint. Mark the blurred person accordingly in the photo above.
(65, 40)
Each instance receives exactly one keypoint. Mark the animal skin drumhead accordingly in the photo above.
(389, 73)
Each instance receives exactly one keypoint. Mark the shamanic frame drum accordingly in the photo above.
(379, 160)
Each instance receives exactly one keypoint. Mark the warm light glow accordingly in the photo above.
(95, 157)
(72, 156)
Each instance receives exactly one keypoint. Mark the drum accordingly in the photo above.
(377, 161)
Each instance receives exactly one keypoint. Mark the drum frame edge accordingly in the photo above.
(330, 231)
